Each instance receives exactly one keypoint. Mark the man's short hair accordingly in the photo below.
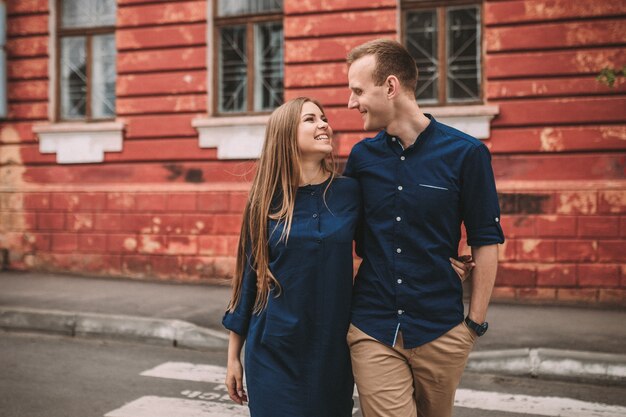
(391, 59)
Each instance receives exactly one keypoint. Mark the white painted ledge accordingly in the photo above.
(234, 137)
(80, 143)
(474, 120)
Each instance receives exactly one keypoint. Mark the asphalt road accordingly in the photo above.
(54, 376)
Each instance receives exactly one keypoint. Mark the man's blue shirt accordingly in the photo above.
(414, 202)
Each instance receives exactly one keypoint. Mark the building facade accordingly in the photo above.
(132, 126)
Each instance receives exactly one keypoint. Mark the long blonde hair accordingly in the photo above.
(277, 178)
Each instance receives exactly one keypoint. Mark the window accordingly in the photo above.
(249, 52)
(444, 38)
(86, 45)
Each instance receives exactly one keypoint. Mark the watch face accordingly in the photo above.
(482, 329)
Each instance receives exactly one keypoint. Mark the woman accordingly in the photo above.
(293, 282)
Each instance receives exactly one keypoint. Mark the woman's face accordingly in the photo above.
(314, 133)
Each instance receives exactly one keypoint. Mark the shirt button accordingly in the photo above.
(399, 281)
(400, 312)
(398, 218)
(315, 215)
(402, 158)
(312, 192)
(393, 139)
(497, 219)
(399, 187)
(399, 250)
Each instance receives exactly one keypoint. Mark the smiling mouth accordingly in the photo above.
(321, 137)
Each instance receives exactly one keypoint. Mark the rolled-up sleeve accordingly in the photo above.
(479, 199)
(239, 319)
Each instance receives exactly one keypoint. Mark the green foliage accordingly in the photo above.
(608, 75)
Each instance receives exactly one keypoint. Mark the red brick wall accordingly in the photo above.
(164, 208)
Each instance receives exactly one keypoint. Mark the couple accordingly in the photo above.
(402, 198)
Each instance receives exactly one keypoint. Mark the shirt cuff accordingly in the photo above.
(488, 235)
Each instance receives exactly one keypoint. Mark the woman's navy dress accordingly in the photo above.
(297, 362)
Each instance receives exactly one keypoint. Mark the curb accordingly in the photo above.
(552, 363)
(171, 332)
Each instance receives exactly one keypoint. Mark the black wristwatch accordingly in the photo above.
(480, 329)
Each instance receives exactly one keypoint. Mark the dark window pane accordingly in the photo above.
(268, 66)
(421, 42)
(233, 79)
(103, 76)
(463, 37)
(73, 78)
(87, 13)
(236, 7)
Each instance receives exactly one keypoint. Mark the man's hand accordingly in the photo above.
(234, 381)
(463, 266)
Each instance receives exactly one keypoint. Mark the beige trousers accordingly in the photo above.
(398, 382)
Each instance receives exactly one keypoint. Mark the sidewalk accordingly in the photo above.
(561, 342)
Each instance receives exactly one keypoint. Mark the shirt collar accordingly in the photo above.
(426, 133)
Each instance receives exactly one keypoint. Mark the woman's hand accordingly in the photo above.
(463, 266)
(234, 381)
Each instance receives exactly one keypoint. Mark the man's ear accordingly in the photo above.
(392, 85)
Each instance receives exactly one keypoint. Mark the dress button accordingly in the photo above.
(400, 312)
(402, 158)
(399, 250)
(399, 187)
(399, 280)
(398, 218)
(315, 215)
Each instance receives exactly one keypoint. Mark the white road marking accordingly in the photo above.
(188, 372)
(153, 406)
(541, 406)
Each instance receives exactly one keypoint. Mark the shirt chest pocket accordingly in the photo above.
(431, 201)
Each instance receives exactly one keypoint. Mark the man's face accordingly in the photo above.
(370, 100)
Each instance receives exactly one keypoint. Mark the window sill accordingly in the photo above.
(236, 137)
(475, 120)
(79, 142)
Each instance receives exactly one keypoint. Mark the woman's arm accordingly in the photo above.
(234, 369)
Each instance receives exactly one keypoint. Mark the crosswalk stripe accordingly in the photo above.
(188, 372)
(153, 406)
(541, 406)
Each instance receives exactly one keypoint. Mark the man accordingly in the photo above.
(420, 179)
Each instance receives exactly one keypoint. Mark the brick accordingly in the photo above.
(227, 224)
(537, 294)
(173, 125)
(622, 226)
(161, 104)
(162, 83)
(353, 22)
(623, 275)
(506, 251)
(161, 36)
(580, 202)
(36, 242)
(141, 223)
(577, 295)
(27, 25)
(238, 201)
(79, 221)
(292, 7)
(187, 58)
(120, 201)
(612, 251)
(536, 250)
(612, 202)
(27, 7)
(214, 202)
(526, 203)
(516, 275)
(598, 226)
(25, 69)
(150, 202)
(101, 264)
(181, 202)
(224, 266)
(334, 48)
(122, 243)
(216, 245)
(612, 296)
(598, 275)
(92, 243)
(167, 267)
(51, 221)
(162, 13)
(518, 226)
(32, 90)
(555, 226)
(149, 244)
(182, 245)
(504, 293)
(519, 11)
(11, 201)
(558, 275)
(78, 201)
(136, 265)
(198, 267)
(196, 224)
(170, 224)
(108, 221)
(576, 250)
(36, 201)
(64, 242)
